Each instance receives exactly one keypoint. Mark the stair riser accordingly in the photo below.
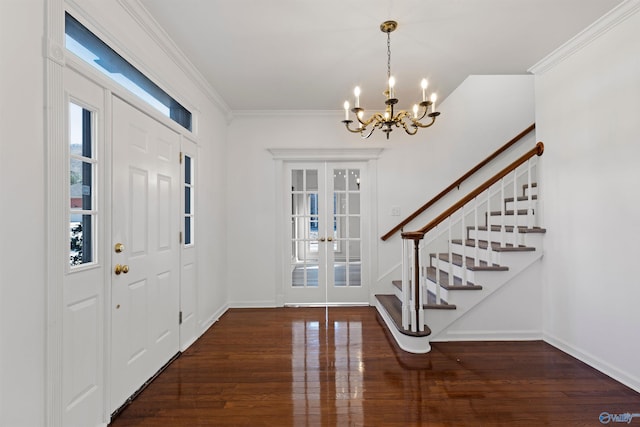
(431, 286)
(533, 191)
(457, 270)
(521, 220)
(496, 236)
(522, 204)
(483, 254)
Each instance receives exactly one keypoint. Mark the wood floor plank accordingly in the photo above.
(338, 366)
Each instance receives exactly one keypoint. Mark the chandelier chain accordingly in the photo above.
(388, 55)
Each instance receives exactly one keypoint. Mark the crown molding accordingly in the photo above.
(142, 16)
(610, 20)
(330, 154)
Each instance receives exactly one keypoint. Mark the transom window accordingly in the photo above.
(86, 45)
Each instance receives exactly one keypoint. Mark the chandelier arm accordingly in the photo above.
(348, 122)
(419, 124)
(363, 136)
(406, 128)
(374, 118)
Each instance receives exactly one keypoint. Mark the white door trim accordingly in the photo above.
(281, 156)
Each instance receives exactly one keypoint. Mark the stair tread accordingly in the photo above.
(470, 263)
(509, 212)
(509, 228)
(393, 306)
(495, 246)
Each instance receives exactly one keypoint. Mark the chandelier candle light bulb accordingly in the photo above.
(423, 85)
(391, 118)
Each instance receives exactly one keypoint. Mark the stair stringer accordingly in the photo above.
(408, 343)
(491, 281)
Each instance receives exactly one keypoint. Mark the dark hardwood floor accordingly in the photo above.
(338, 367)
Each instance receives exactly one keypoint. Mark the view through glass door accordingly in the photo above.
(325, 227)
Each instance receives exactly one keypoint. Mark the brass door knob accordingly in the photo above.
(322, 239)
(117, 269)
(125, 269)
(329, 239)
(119, 247)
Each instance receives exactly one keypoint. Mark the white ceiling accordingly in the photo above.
(310, 54)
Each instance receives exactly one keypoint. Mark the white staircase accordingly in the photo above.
(497, 233)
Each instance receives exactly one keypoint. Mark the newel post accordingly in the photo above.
(416, 310)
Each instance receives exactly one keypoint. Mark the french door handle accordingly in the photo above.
(329, 239)
(322, 239)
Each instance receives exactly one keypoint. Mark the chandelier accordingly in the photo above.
(409, 121)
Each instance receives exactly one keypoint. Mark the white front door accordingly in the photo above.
(145, 292)
(324, 225)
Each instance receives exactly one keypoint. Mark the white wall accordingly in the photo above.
(587, 116)
(23, 191)
(22, 266)
(480, 116)
(131, 32)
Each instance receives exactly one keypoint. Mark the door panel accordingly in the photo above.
(145, 298)
(83, 381)
(325, 247)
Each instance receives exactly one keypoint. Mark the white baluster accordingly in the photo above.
(406, 273)
(476, 249)
(530, 197)
(464, 248)
(489, 248)
(515, 208)
(450, 269)
(422, 284)
(502, 215)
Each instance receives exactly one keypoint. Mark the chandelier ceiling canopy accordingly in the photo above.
(409, 121)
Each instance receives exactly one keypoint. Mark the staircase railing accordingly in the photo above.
(457, 182)
(455, 222)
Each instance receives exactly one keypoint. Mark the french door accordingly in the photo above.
(324, 225)
(145, 286)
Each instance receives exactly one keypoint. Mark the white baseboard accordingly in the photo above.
(595, 362)
(253, 304)
(523, 335)
(204, 326)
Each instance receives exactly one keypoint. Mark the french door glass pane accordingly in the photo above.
(304, 228)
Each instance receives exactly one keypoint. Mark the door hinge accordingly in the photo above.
(180, 318)
(180, 237)
(181, 157)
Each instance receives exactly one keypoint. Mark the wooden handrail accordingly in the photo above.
(537, 150)
(459, 181)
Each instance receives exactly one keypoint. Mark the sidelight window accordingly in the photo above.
(82, 197)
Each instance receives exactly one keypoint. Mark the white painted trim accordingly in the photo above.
(327, 304)
(54, 135)
(617, 15)
(523, 335)
(418, 345)
(205, 325)
(625, 378)
(299, 113)
(253, 304)
(325, 154)
(144, 19)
